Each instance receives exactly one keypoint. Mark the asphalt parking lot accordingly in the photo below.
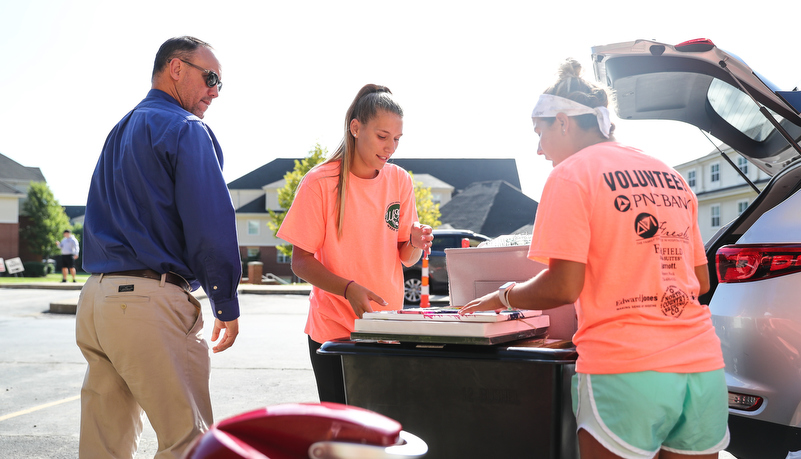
(41, 369)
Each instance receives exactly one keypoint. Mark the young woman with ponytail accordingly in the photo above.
(353, 224)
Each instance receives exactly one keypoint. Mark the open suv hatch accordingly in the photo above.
(755, 260)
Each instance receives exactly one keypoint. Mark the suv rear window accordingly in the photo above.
(739, 110)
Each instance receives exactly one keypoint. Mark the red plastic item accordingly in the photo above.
(288, 431)
(697, 45)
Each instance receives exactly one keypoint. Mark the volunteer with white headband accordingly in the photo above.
(618, 231)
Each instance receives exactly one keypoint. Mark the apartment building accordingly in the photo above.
(723, 193)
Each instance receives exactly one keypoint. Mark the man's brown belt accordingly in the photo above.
(150, 274)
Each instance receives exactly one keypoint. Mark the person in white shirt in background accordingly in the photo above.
(70, 248)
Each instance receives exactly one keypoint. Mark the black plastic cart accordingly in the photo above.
(467, 401)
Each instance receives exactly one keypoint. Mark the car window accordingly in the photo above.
(441, 243)
(475, 242)
(739, 110)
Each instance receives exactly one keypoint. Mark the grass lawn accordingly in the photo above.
(55, 278)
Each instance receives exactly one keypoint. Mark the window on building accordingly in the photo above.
(715, 213)
(280, 258)
(253, 228)
(691, 178)
(714, 173)
(254, 254)
(742, 164)
(741, 206)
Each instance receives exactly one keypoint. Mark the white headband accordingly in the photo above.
(548, 106)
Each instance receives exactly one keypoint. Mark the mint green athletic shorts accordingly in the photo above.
(634, 415)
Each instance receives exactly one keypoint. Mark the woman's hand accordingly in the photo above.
(421, 236)
(489, 302)
(360, 297)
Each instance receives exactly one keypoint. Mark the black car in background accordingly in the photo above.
(437, 272)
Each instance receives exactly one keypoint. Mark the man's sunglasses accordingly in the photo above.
(212, 79)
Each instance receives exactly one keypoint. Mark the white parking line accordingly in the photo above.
(37, 408)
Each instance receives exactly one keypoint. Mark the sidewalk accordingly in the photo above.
(69, 306)
(291, 289)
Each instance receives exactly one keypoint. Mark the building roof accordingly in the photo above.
(74, 211)
(491, 208)
(268, 173)
(256, 206)
(459, 172)
(11, 170)
(6, 189)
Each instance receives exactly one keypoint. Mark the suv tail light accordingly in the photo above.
(744, 402)
(751, 262)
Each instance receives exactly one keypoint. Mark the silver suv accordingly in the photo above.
(755, 260)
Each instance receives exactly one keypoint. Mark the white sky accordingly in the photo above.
(467, 73)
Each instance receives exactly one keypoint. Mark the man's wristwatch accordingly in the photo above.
(503, 293)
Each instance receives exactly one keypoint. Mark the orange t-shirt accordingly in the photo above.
(633, 222)
(379, 213)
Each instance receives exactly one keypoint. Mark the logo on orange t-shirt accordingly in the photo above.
(622, 203)
(673, 301)
(392, 216)
(646, 225)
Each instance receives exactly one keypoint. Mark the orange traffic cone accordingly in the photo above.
(424, 303)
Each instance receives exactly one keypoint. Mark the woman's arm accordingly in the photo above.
(308, 268)
(702, 273)
(560, 284)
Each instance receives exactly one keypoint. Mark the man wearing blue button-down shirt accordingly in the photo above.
(159, 223)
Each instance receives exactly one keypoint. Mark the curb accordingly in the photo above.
(70, 306)
(46, 286)
(64, 307)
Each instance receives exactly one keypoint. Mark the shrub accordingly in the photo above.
(34, 269)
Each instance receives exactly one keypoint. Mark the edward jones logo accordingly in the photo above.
(645, 225)
(392, 216)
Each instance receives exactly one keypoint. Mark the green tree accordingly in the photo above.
(47, 220)
(286, 195)
(427, 212)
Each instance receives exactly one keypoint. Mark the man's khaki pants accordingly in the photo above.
(143, 342)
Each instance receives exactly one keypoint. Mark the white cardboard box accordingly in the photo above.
(473, 272)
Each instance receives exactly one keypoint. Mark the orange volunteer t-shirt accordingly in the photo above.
(379, 213)
(634, 222)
